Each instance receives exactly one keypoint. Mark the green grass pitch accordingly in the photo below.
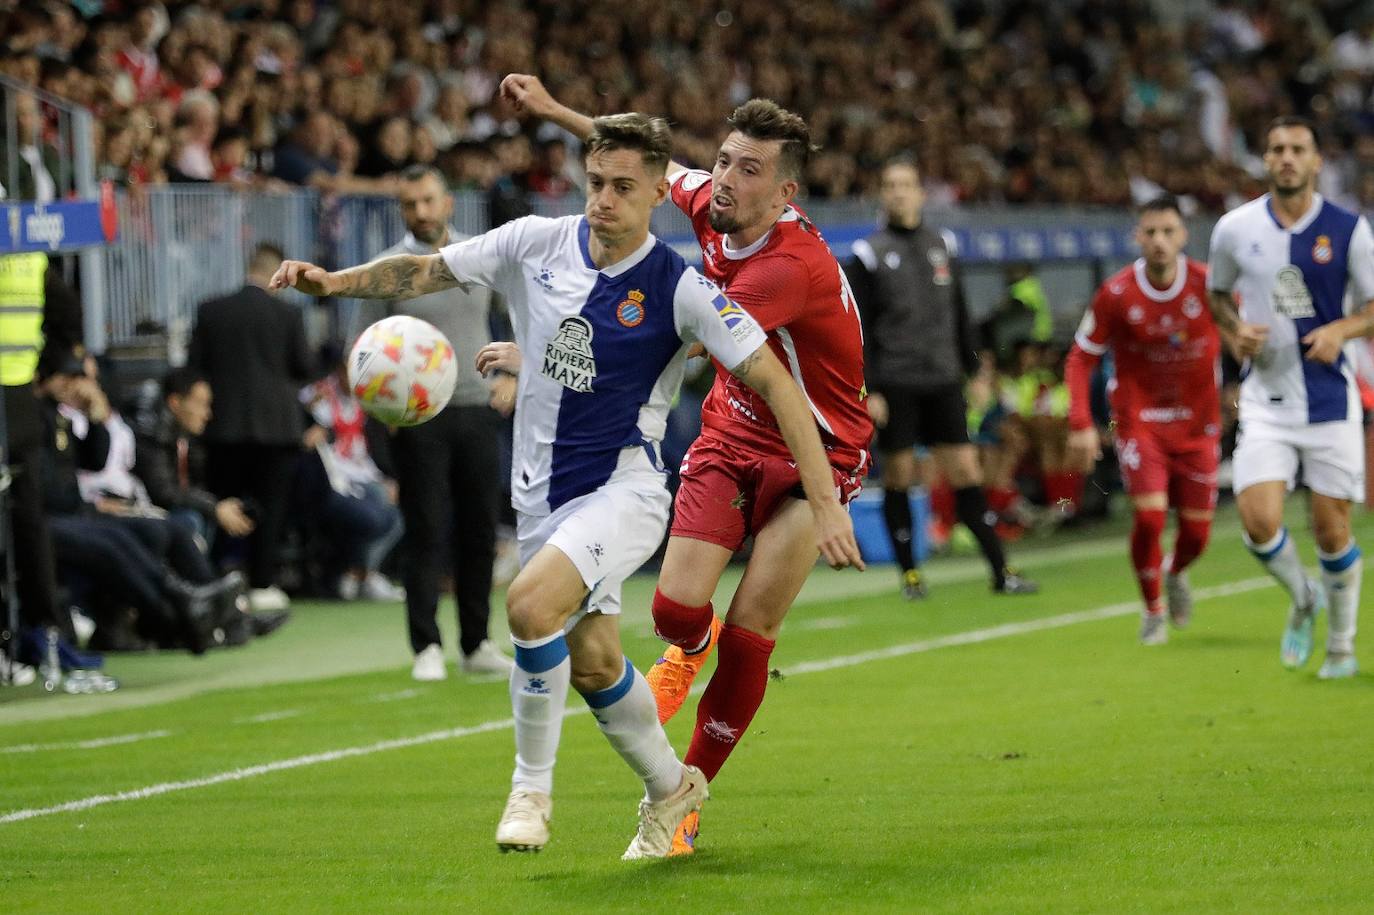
(967, 754)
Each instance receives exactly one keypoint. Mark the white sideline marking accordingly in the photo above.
(974, 636)
(236, 775)
(95, 744)
(267, 717)
(970, 637)
(825, 622)
(396, 696)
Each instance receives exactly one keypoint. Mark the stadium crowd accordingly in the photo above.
(1073, 102)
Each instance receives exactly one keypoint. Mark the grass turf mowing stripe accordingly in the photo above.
(95, 744)
(970, 637)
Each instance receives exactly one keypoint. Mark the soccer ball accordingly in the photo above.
(402, 370)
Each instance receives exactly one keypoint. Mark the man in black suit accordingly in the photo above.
(251, 347)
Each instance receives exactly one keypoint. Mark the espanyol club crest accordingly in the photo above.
(630, 313)
(1321, 250)
(1192, 308)
(568, 357)
(939, 262)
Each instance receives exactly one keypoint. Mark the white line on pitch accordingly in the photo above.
(970, 637)
(397, 696)
(94, 744)
(267, 717)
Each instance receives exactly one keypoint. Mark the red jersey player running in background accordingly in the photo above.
(1153, 315)
(738, 478)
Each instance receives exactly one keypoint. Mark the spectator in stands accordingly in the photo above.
(35, 171)
(110, 552)
(449, 122)
(354, 504)
(197, 124)
(169, 459)
(389, 150)
(138, 57)
(251, 348)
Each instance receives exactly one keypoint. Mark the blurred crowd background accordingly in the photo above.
(1091, 102)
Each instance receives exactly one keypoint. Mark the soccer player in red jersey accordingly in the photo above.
(738, 478)
(1153, 315)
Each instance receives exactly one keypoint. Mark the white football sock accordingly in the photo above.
(1341, 574)
(538, 696)
(1280, 557)
(628, 716)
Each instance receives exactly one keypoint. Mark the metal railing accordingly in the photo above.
(181, 244)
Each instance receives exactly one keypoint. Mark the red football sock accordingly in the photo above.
(679, 624)
(942, 504)
(731, 699)
(1063, 490)
(1191, 541)
(1145, 555)
(1002, 498)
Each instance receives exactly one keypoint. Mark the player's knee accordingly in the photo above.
(1149, 522)
(527, 611)
(1332, 534)
(899, 471)
(961, 468)
(680, 622)
(595, 670)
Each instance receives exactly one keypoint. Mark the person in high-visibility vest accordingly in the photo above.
(22, 280)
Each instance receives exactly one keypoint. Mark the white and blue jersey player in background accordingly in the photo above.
(1291, 278)
(605, 314)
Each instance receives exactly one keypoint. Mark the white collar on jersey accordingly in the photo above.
(1161, 295)
(739, 254)
(1302, 224)
(629, 262)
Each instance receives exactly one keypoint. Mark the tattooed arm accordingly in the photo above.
(1245, 340)
(762, 371)
(404, 276)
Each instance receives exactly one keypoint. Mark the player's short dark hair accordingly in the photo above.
(419, 171)
(651, 137)
(180, 381)
(902, 160)
(1294, 120)
(1162, 203)
(765, 119)
(266, 257)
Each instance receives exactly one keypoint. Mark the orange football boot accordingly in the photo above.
(671, 676)
(685, 837)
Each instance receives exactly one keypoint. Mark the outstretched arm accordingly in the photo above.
(528, 95)
(404, 276)
(762, 371)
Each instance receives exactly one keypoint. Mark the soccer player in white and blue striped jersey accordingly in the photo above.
(1291, 278)
(606, 313)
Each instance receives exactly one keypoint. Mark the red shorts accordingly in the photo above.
(1185, 470)
(728, 494)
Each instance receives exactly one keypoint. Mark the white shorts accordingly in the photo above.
(608, 534)
(1331, 455)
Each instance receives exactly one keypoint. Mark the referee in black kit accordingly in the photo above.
(917, 352)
